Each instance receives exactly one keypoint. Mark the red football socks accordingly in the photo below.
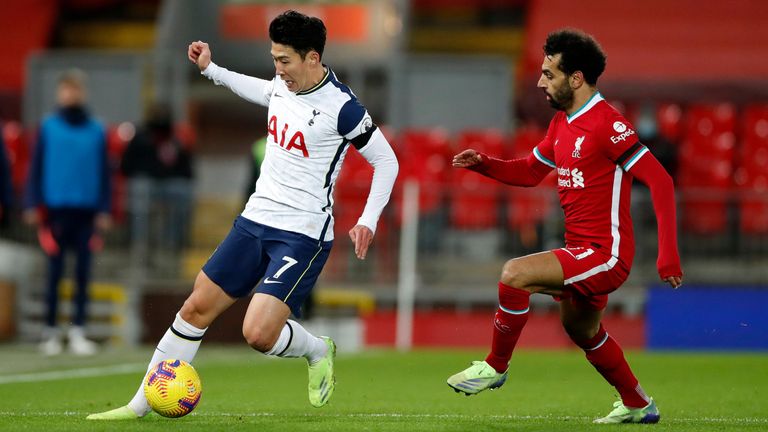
(608, 358)
(507, 325)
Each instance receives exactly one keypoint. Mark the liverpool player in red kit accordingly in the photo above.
(596, 154)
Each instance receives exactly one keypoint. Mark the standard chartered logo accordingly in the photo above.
(578, 177)
(567, 177)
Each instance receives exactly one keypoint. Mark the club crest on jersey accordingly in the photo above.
(366, 125)
(296, 141)
(315, 113)
(577, 147)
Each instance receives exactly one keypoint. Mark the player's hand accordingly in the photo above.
(674, 281)
(103, 222)
(467, 158)
(200, 54)
(361, 236)
(31, 217)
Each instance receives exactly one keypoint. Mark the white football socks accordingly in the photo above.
(180, 341)
(296, 341)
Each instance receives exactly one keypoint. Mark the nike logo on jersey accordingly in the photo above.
(315, 113)
(278, 95)
(270, 281)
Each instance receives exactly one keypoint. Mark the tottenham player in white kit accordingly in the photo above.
(279, 244)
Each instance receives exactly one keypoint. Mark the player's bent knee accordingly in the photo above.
(258, 339)
(512, 275)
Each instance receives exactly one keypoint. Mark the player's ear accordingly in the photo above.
(576, 79)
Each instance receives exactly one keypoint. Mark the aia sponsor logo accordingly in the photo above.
(295, 143)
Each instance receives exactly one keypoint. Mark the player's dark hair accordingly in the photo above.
(300, 32)
(579, 52)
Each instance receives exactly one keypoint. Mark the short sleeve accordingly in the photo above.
(354, 120)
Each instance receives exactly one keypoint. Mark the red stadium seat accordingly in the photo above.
(753, 202)
(18, 151)
(350, 196)
(669, 117)
(118, 137)
(707, 164)
(474, 201)
(425, 156)
(351, 191)
(528, 207)
(475, 198)
(752, 176)
(488, 141)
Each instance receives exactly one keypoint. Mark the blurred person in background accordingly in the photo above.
(665, 152)
(68, 197)
(596, 154)
(660, 146)
(160, 173)
(6, 188)
(281, 241)
(258, 150)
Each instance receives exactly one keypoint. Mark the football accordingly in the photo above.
(173, 388)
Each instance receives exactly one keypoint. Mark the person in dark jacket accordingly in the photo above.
(68, 197)
(6, 190)
(159, 169)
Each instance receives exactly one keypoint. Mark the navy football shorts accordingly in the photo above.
(255, 257)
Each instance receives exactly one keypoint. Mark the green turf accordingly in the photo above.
(388, 391)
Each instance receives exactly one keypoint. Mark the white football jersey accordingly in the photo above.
(308, 134)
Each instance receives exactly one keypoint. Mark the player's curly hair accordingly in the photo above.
(301, 32)
(579, 52)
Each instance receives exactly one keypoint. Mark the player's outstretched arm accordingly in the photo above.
(649, 171)
(516, 172)
(466, 159)
(250, 88)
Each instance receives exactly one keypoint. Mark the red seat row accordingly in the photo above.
(723, 158)
(471, 200)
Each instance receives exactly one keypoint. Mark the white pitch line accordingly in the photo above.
(673, 420)
(72, 373)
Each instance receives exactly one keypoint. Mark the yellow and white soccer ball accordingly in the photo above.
(173, 388)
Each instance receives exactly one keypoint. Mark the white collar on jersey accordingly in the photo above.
(597, 97)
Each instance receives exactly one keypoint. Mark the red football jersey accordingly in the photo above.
(593, 151)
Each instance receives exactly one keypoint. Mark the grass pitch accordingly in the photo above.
(385, 391)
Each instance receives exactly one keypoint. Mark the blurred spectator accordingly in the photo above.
(661, 147)
(258, 149)
(68, 198)
(159, 169)
(6, 191)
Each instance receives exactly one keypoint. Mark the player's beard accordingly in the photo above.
(562, 99)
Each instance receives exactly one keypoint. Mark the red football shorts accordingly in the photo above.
(590, 275)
